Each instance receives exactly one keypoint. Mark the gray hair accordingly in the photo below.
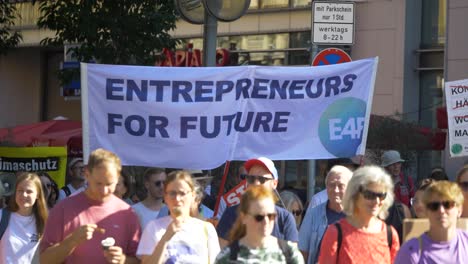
(289, 198)
(338, 169)
(362, 177)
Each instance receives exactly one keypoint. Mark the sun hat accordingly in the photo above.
(264, 162)
(391, 157)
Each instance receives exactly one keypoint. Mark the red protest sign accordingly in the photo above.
(233, 196)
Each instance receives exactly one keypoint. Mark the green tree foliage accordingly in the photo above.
(110, 31)
(8, 38)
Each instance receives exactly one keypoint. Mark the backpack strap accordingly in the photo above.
(283, 245)
(4, 222)
(389, 236)
(66, 190)
(420, 245)
(234, 250)
(339, 239)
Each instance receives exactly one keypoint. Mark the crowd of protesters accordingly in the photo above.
(358, 218)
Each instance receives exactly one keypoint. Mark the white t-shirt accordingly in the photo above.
(194, 243)
(20, 240)
(144, 214)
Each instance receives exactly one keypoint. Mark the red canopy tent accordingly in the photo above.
(49, 133)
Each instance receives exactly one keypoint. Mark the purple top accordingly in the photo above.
(453, 251)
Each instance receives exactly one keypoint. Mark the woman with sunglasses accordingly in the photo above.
(49, 188)
(417, 206)
(293, 204)
(362, 237)
(251, 239)
(462, 180)
(27, 215)
(443, 242)
(178, 238)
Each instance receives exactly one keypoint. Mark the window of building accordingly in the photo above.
(301, 3)
(274, 3)
(433, 23)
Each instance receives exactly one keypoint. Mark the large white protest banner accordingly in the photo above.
(200, 117)
(456, 95)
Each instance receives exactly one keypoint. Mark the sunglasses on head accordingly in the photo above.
(370, 195)
(463, 186)
(259, 218)
(253, 178)
(434, 206)
(296, 212)
(159, 183)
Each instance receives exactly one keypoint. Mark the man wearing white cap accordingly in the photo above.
(404, 186)
(261, 171)
(76, 176)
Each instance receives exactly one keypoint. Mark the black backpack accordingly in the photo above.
(234, 247)
(396, 215)
(4, 222)
(66, 190)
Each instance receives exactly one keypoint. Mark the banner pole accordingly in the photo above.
(221, 187)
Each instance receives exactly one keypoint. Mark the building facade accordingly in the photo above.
(420, 44)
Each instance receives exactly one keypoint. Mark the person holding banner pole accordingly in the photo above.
(261, 171)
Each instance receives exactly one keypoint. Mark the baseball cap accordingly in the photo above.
(391, 157)
(265, 162)
(74, 161)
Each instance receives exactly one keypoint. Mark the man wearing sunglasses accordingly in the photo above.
(318, 218)
(76, 177)
(260, 171)
(149, 208)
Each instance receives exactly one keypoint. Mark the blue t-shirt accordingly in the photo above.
(333, 216)
(285, 225)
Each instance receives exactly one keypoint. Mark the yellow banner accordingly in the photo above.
(52, 160)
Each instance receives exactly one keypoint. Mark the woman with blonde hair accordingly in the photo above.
(362, 237)
(26, 215)
(251, 239)
(178, 237)
(443, 242)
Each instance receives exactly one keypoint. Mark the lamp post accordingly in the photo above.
(208, 12)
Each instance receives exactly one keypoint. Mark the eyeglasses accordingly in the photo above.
(253, 178)
(259, 218)
(463, 186)
(434, 206)
(174, 194)
(370, 195)
(159, 183)
(78, 168)
(296, 212)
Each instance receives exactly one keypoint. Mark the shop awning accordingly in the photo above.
(49, 133)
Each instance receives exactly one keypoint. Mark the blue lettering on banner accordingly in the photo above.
(254, 121)
(214, 91)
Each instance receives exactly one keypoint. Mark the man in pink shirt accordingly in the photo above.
(77, 225)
